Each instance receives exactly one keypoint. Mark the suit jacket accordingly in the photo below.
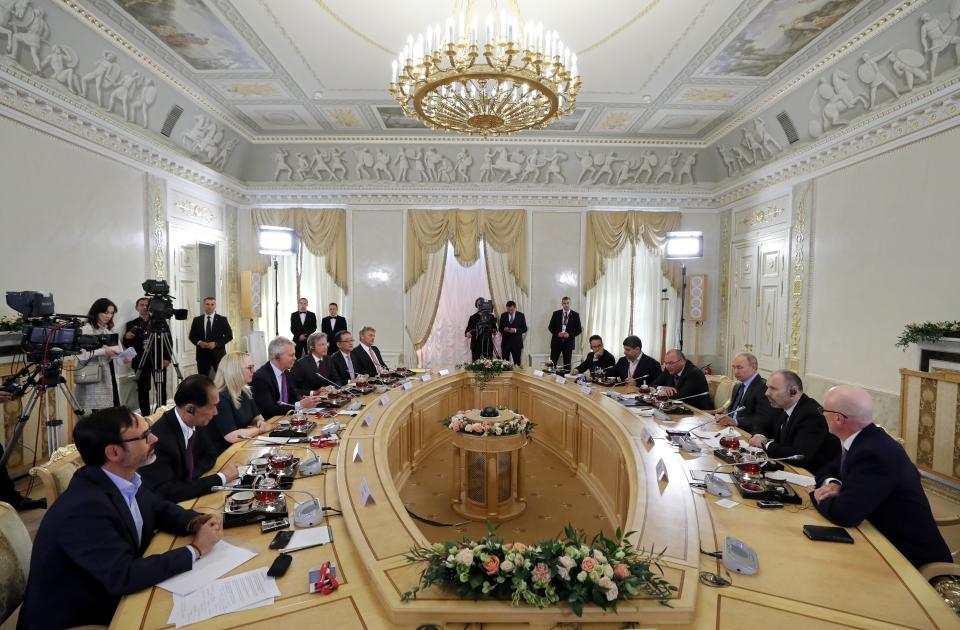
(305, 373)
(340, 324)
(758, 416)
(646, 366)
(573, 327)
(308, 326)
(362, 363)
(222, 334)
(266, 392)
(881, 485)
(591, 363)
(141, 329)
(168, 476)
(805, 434)
(339, 373)
(692, 381)
(512, 340)
(87, 539)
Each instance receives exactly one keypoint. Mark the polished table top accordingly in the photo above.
(801, 583)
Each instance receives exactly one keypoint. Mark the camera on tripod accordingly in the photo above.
(486, 323)
(48, 336)
(160, 306)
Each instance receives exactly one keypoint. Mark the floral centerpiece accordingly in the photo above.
(10, 324)
(484, 370)
(561, 569)
(505, 424)
(927, 332)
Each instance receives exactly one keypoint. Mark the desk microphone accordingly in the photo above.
(307, 469)
(690, 396)
(306, 514)
(718, 487)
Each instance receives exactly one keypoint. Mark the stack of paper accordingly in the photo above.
(222, 559)
(239, 592)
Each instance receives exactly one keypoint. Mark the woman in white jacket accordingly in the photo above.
(104, 392)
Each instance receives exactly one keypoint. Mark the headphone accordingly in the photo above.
(191, 409)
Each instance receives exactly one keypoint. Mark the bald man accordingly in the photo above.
(683, 380)
(874, 480)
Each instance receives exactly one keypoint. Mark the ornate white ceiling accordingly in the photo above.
(653, 70)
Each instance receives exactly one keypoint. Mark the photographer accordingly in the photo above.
(480, 328)
(97, 378)
(135, 334)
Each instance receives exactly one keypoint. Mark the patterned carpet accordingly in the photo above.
(555, 497)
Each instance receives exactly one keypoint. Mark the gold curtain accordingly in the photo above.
(609, 232)
(504, 230)
(323, 232)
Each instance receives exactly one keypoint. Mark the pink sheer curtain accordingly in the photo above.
(446, 345)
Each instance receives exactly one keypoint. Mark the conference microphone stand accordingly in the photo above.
(305, 514)
(711, 480)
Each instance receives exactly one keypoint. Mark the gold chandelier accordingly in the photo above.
(493, 80)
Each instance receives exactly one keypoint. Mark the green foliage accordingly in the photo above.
(927, 332)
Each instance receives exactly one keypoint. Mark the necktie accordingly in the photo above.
(566, 314)
(373, 358)
(189, 455)
(209, 332)
(676, 379)
(283, 387)
(736, 403)
(843, 462)
(318, 363)
(511, 319)
(350, 371)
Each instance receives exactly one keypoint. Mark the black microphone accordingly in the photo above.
(792, 458)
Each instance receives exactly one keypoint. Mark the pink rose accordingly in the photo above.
(491, 565)
(519, 547)
(621, 570)
(588, 564)
(478, 428)
(541, 573)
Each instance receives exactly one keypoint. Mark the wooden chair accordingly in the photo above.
(15, 548)
(57, 473)
(721, 388)
(156, 415)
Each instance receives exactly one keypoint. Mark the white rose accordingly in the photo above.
(506, 566)
(465, 556)
(599, 557)
(607, 570)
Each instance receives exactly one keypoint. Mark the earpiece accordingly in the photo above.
(793, 391)
(191, 409)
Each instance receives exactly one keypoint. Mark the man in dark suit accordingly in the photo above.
(332, 324)
(683, 380)
(800, 428)
(564, 328)
(874, 480)
(136, 332)
(274, 388)
(210, 333)
(757, 416)
(342, 364)
(312, 372)
(481, 326)
(303, 323)
(598, 359)
(94, 536)
(513, 325)
(634, 367)
(184, 454)
(366, 357)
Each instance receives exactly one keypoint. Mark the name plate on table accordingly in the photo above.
(662, 471)
(443, 372)
(426, 378)
(538, 373)
(358, 453)
(559, 380)
(586, 390)
(408, 386)
(645, 436)
(384, 401)
(367, 421)
(366, 497)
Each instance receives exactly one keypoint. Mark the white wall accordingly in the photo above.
(376, 286)
(554, 273)
(884, 255)
(706, 349)
(73, 222)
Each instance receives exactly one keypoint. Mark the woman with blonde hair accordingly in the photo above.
(237, 415)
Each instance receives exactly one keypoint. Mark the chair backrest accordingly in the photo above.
(57, 473)
(156, 415)
(721, 389)
(15, 547)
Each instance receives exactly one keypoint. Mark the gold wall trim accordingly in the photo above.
(798, 274)
(762, 216)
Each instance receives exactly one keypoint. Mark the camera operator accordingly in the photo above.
(8, 493)
(100, 390)
(480, 328)
(136, 332)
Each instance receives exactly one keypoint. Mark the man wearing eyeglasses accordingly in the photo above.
(184, 454)
(94, 536)
(343, 368)
(684, 381)
(874, 480)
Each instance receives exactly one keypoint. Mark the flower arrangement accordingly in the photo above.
(929, 332)
(484, 370)
(460, 423)
(561, 569)
(10, 324)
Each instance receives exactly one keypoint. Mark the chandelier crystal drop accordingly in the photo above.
(493, 79)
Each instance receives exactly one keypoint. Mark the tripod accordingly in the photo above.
(156, 348)
(483, 334)
(40, 378)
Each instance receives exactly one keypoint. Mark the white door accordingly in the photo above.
(743, 298)
(771, 304)
(183, 285)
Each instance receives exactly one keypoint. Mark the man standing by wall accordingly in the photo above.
(564, 328)
(303, 323)
(210, 333)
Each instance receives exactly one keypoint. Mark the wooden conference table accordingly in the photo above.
(800, 584)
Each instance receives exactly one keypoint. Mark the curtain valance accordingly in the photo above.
(609, 232)
(322, 231)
